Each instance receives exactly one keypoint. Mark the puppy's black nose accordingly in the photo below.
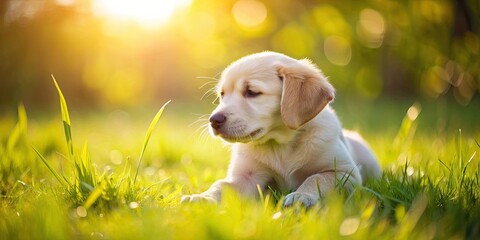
(217, 120)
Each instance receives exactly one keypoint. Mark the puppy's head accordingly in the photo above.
(267, 92)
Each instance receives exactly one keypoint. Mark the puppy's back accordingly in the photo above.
(362, 155)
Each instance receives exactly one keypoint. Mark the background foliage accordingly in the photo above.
(369, 49)
(407, 78)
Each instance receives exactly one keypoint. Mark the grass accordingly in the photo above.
(430, 188)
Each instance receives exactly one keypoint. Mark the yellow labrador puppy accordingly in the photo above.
(275, 109)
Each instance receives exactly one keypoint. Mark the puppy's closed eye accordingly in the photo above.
(249, 93)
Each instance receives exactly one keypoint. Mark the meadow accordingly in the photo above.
(108, 174)
(108, 162)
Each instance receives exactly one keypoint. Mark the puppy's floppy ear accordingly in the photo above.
(305, 93)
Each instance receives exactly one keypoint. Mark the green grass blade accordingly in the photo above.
(66, 119)
(20, 129)
(464, 170)
(87, 167)
(407, 128)
(147, 137)
(445, 165)
(260, 193)
(92, 198)
(63, 181)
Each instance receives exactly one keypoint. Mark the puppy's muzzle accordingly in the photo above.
(217, 120)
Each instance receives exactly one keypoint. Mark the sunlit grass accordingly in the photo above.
(88, 185)
(430, 187)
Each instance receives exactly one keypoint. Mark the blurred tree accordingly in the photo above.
(109, 52)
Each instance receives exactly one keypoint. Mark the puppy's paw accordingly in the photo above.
(305, 199)
(198, 198)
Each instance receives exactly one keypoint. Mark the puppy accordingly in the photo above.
(275, 110)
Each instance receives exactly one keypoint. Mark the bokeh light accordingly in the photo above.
(337, 50)
(435, 81)
(249, 13)
(371, 28)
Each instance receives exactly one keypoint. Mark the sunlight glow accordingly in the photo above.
(147, 13)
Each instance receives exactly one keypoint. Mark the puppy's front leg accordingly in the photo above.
(213, 194)
(316, 186)
(244, 184)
